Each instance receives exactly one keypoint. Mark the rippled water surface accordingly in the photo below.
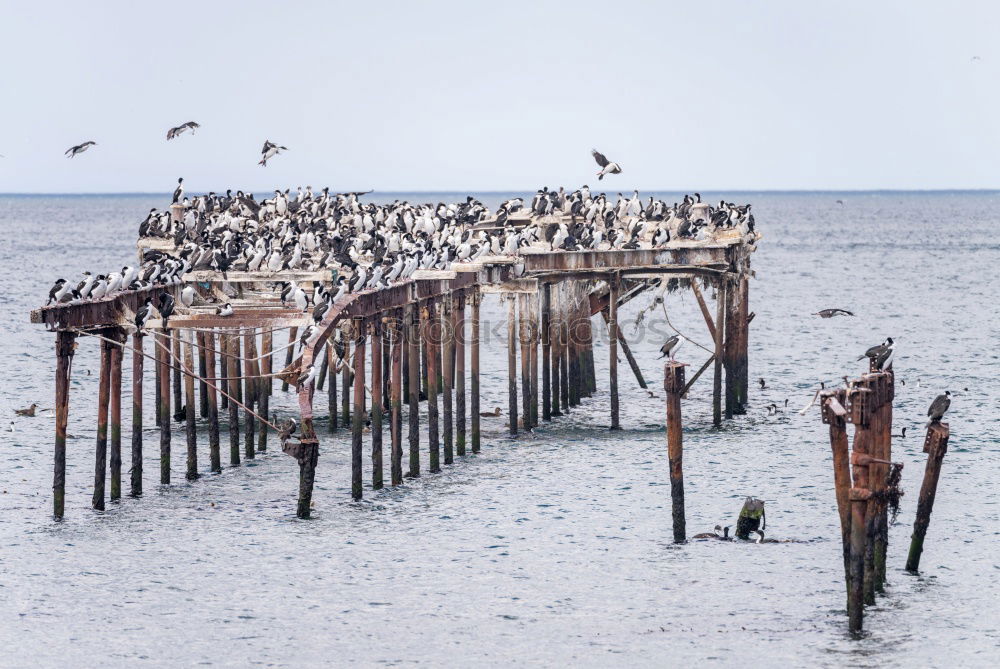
(554, 548)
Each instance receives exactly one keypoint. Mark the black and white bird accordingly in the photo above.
(79, 148)
(187, 295)
(671, 346)
(144, 314)
(939, 407)
(179, 191)
(881, 354)
(58, 290)
(320, 310)
(181, 129)
(225, 311)
(307, 376)
(830, 313)
(607, 167)
(166, 307)
(269, 151)
(307, 335)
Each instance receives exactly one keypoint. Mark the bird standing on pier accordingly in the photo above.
(881, 354)
(79, 148)
(225, 311)
(181, 129)
(166, 307)
(939, 407)
(671, 346)
(58, 290)
(144, 313)
(187, 295)
(269, 151)
(830, 313)
(607, 167)
(179, 191)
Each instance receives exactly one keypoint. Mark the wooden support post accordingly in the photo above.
(834, 413)
(512, 364)
(935, 445)
(323, 366)
(735, 359)
(859, 495)
(163, 350)
(720, 317)
(101, 450)
(477, 298)
(214, 456)
(459, 328)
(115, 408)
(189, 411)
(432, 336)
(573, 363)
(306, 452)
(590, 373)
(230, 350)
(377, 406)
(872, 429)
(524, 335)
(396, 400)
(332, 350)
(175, 338)
(883, 440)
(137, 371)
(614, 287)
(249, 395)
(555, 355)
(202, 374)
(264, 388)
(347, 382)
(446, 332)
(157, 368)
(546, 308)
(358, 415)
(533, 338)
(293, 334)
(386, 362)
(267, 361)
(412, 342)
(65, 345)
(673, 385)
(564, 376)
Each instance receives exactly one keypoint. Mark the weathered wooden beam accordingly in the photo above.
(614, 285)
(377, 407)
(138, 356)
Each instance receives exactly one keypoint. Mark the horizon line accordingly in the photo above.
(531, 190)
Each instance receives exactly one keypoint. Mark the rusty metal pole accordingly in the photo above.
(533, 339)
(460, 421)
(249, 394)
(163, 350)
(377, 407)
(524, 338)
(884, 438)
(306, 452)
(175, 339)
(323, 366)
(230, 351)
(331, 395)
(512, 363)
(189, 411)
(614, 288)
(447, 357)
(673, 385)
(214, 456)
(289, 354)
(412, 342)
(432, 337)
(137, 372)
(546, 351)
(264, 388)
(564, 350)
(358, 422)
(720, 319)
(555, 355)
(202, 375)
(935, 445)
(346, 382)
(101, 449)
(834, 412)
(859, 495)
(65, 345)
(396, 400)
(474, 372)
(115, 426)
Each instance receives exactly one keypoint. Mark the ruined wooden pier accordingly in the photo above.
(394, 350)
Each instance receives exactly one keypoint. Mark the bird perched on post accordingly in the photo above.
(166, 307)
(179, 191)
(671, 346)
(181, 129)
(607, 167)
(938, 408)
(881, 354)
(145, 311)
(269, 151)
(306, 377)
(79, 148)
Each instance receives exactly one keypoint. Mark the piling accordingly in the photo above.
(936, 446)
(396, 400)
(214, 456)
(65, 346)
(524, 337)
(376, 332)
(431, 338)
(249, 394)
(614, 287)
(324, 364)
(720, 318)
(460, 419)
(834, 414)
(264, 388)
(306, 452)
(202, 375)
(859, 495)
(884, 452)
(175, 341)
(163, 354)
(230, 352)
(533, 341)
(673, 386)
(156, 376)
(189, 411)
(138, 356)
(474, 372)
(412, 342)
(358, 422)
(564, 348)
(546, 333)
(293, 334)
(447, 336)
(511, 364)
(735, 356)
(333, 350)
(101, 450)
(347, 380)
(115, 420)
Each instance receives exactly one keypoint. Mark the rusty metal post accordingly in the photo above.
(101, 449)
(524, 337)
(546, 308)
(735, 356)
(306, 452)
(346, 382)
(859, 494)
(614, 288)
(833, 411)
(323, 366)
(459, 328)
(115, 421)
(65, 345)
(230, 351)
(157, 368)
(533, 339)
(189, 411)
(884, 440)
(358, 421)
(720, 319)
(289, 354)
(412, 342)
(202, 375)
(432, 337)
(936, 446)
(511, 363)
(137, 371)
(447, 357)
(377, 407)
(214, 456)
(175, 340)
(249, 394)
(564, 351)
(264, 388)
(474, 372)
(673, 385)
(396, 400)
(331, 395)
(163, 350)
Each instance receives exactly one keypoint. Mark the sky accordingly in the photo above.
(465, 96)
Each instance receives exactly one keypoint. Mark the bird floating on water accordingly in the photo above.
(830, 313)
(901, 435)
(607, 167)
(79, 148)
(491, 414)
(938, 408)
(763, 384)
(181, 129)
(715, 534)
(30, 411)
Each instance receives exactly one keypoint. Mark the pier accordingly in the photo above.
(410, 348)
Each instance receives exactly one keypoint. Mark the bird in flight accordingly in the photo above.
(79, 148)
(830, 313)
(607, 167)
(269, 151)
(181, 129)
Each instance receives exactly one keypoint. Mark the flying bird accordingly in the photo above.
(607, 167)
(269, 151)
(79, 148)
(181, 129)
(939, 407)
(830, 313)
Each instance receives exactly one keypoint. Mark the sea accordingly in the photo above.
(553, 548)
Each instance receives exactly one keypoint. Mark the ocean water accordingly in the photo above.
(553, 548)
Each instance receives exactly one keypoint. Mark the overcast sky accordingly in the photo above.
(497, 96)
